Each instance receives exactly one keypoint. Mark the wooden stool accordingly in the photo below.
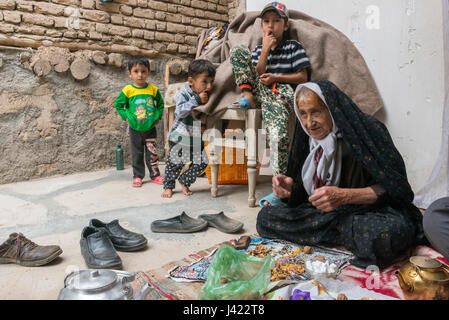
(253, 121)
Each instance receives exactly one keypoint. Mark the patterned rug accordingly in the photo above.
(183, 280)
(164, 288)
(289, 256)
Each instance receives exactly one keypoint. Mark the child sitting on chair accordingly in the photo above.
(186, 145)
(267, 77)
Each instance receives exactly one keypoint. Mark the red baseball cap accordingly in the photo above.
(277, 7)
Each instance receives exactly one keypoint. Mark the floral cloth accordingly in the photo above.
(278, 249)
(325, 289)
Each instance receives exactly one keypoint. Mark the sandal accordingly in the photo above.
(158, 180)
(273, 201)
(241, 104)
(179, 224)
(222, 222)
(137, 182)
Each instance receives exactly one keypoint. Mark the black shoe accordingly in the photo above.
(122, 239)
(222, 222)
(179, 224)
(98, 251)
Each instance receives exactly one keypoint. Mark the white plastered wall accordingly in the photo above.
(402, 43)
(438, 184)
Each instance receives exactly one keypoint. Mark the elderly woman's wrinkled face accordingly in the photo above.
(314, 115)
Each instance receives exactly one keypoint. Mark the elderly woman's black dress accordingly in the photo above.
(377, 234)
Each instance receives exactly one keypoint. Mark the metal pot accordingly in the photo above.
(423, 278)
(102, 284)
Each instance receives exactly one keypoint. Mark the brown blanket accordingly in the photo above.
(332, 55)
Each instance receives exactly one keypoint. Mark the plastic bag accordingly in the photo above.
(234, 275)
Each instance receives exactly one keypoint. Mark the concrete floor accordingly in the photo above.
(55, 210)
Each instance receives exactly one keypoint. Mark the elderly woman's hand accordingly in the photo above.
(282, 186)
(328, 199)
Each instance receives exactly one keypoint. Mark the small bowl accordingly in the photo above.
(315, 269)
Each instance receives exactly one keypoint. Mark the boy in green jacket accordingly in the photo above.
(142, 105)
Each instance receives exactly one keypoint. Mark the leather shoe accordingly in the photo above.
(122, 239)
(20, 250)
(98, 250)
(179, 224)
(222, 222)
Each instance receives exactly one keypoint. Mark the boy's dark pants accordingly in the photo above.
(176, 162)
(144, 146)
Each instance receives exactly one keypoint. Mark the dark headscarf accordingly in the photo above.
(367, 138)
(376, 233)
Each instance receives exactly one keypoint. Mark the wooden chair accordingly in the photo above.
(253, 120)
(171, 91)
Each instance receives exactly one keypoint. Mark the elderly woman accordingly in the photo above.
(346, 183)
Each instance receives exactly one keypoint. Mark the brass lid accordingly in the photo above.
(425, 263)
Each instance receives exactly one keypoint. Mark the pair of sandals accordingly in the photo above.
(241, 104)
(137, 182)
(185, 224)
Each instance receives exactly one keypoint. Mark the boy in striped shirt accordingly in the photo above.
(268, 77)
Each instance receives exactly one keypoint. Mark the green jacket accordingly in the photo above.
(141, 106)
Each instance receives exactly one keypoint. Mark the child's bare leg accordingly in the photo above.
(168, 193)
(186, 190)
(245, 74)
(199, 164)
(250, 97)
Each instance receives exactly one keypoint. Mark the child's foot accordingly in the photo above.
(137, 182)
(158, 180)
(168, 193)
(186, 190)
(249, 96)
(243, 104)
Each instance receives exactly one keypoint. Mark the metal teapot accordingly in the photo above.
(103, 284)
(423, 278)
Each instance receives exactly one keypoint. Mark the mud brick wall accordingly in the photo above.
(125, 26)
(56, 118)
(236, 7)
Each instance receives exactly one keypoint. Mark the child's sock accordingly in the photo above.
(246, 87)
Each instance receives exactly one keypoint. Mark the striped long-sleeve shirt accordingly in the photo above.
(289, 57)
(183, 130)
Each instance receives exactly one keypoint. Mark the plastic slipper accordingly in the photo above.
(158, 180)
(137, 182)
(273, 201)
(179, 224)
(222, 222)
(243, 104)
